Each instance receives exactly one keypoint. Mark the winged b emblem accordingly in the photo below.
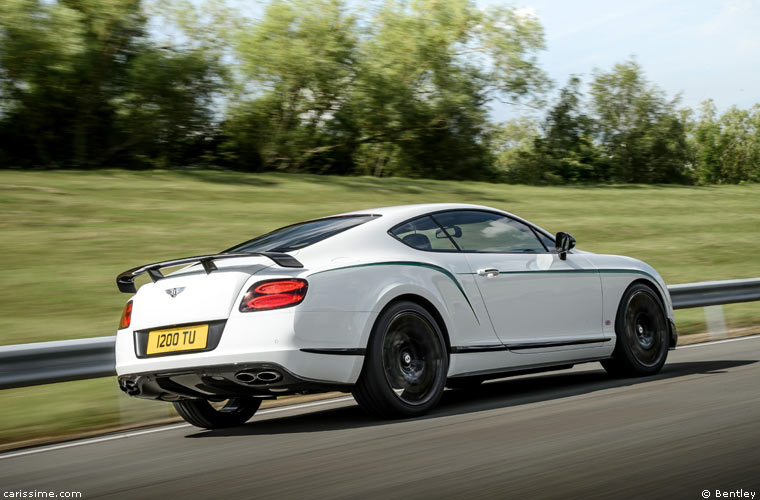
(173, 292)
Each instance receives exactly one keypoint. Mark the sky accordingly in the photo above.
(701, 49)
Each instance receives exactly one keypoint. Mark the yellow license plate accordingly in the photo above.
(186, 338)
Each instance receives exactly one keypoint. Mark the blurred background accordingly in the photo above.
(134, 131)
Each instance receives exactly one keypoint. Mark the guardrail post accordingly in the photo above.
(716, 322)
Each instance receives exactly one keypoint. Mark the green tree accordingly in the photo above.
(428, 70)
(726, 148)
(58, 60)
(739, 145)
(561, 150)
(83, 86)
(297, 64)
(404, 91)
(567, 148)
(707, 139)
(638, 128)
(513, 144)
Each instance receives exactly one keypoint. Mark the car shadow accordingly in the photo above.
(502, 393)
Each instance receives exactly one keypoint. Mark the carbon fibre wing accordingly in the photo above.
(126, 280)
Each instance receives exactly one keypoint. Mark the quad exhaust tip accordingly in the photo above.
(258, 377)
(130, 387)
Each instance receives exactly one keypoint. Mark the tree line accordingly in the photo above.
(627, 131)
(395, 87)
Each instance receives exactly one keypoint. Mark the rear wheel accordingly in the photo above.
(642, 334)
(405, 368)
(210, 415)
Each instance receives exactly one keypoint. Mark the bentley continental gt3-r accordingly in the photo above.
(391, 304)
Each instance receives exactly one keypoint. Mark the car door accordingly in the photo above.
(424, 234)
(536, 301)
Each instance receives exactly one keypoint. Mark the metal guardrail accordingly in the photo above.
(61, 361)
(712, 293)
(48, 362)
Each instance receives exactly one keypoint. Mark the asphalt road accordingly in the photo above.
(570, 434)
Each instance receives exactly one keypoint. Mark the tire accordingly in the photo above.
(643, 336)
(202, 413)
(405, 368)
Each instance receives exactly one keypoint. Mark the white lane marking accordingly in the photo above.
(91, 441)
(167, 428)
(702, 344)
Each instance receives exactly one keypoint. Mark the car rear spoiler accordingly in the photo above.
(126, 280)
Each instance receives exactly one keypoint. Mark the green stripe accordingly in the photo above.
(547, 271)
(582, 271)
(440, 269)
(626, 271)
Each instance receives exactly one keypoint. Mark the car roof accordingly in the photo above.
(390, 217)
(408, 211)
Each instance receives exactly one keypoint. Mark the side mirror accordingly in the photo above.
(564, 243)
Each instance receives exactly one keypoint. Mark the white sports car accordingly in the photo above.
(391, 304)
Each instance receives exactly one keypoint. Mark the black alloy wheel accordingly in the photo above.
(642, 334)
(404, 372)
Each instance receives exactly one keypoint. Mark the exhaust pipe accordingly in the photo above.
(246, 377)
(129, 386)
(253, 377)
(268, 377)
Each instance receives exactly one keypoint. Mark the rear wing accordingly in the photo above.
(126, 280)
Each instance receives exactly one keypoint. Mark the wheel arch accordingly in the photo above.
(428, 306)
(668, 313)
(648, 284)
(653, 286)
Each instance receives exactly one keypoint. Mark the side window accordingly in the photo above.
(476, 231)
(548, 242)
(423, 234)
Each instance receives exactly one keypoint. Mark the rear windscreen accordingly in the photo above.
(301, 235)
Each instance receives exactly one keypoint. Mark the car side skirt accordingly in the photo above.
(525, 369)
(525, 345)
(336, 351)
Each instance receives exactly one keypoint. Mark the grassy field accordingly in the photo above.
(66, 235)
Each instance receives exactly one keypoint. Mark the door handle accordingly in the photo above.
(488, 272)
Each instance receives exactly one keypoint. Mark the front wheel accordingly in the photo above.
(642, 334)
(405, 368)
(210, 415)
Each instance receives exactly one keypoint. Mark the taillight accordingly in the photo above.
(126, 316)
(274, 294)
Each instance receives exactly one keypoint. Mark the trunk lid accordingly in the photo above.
(190, 295)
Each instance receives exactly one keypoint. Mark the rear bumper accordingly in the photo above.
(673, 335)
(298, 371)
(302, 344)
(222, 381)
